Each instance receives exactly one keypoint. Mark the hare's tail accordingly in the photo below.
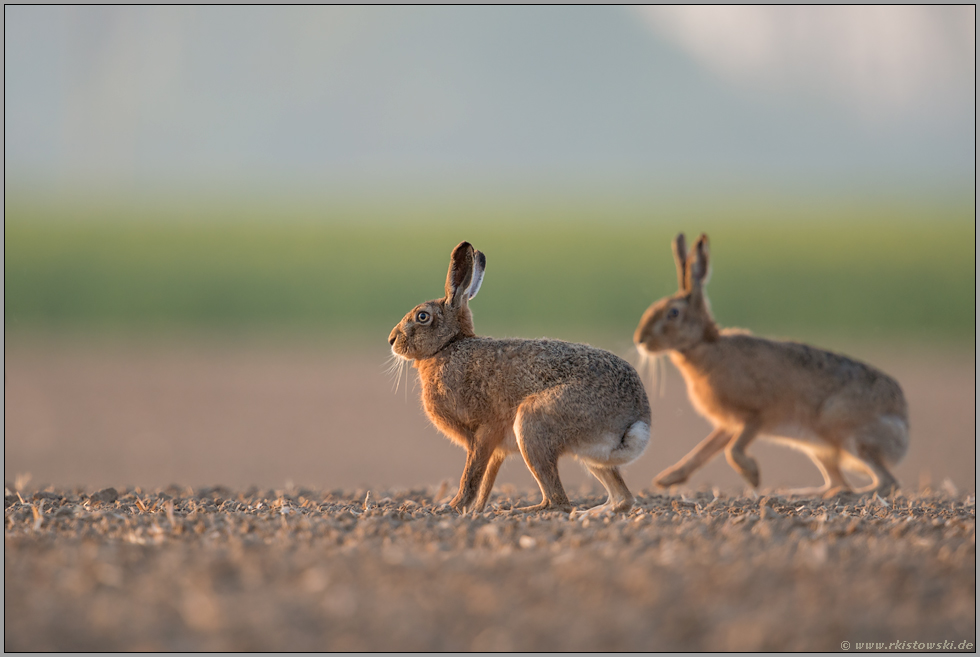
(614, 449)
(632, 445)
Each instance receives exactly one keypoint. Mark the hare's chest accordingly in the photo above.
(711, 402)
(703, 398)
(438, 399)
(452, 402)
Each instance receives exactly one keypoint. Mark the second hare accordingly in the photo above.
(542, 398)
(839, 411)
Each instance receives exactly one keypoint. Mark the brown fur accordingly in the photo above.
(542, 398)
(838, 410)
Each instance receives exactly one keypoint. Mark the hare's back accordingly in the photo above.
(552, 360)
(818, 373)
(533, 366)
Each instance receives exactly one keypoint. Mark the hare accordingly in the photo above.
(837, 410)
(544, 398)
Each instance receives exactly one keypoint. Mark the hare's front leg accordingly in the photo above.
(496, 459)
(744, 464)
(480, 454)
(707, 448)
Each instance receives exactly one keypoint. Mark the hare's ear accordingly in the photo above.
(697, 263)
(460, 274)
(680, 258)
(479, 267)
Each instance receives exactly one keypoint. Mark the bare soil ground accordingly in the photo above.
(217, 569)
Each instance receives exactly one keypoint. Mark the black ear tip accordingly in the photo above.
(482, 259)
(462, 245)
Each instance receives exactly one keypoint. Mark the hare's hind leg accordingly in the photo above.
(884, 482)
(828, 462)
(540, 450)
(880, 444)
(829, 465)
(620, 499)
(706, 449)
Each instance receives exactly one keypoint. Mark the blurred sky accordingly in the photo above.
(805, 98)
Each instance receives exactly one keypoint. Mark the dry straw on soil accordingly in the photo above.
(215, 569)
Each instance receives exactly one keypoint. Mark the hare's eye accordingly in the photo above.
(672, 313)
(422, 317)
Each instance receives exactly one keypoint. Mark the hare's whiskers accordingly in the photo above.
(654, 373)
(641, 368)
(652, 370)
(395, 365)
(404, 368)
(662, 362)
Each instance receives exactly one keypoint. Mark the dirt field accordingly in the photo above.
(333, 534)
(303, 570)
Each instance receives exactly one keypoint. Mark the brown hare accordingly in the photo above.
(839, 411)
(543, 398)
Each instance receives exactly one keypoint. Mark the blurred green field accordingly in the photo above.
(862, 272)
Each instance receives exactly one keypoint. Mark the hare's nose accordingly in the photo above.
(391, 340)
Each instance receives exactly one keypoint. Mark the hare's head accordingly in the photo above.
(432, 325)
(683, 319)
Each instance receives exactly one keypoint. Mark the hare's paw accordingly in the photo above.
(835, 491)
(596, 511)
(457, 504)
(609, 508)
(813, 491)
(817, 491)
(883, 491)
(670, 477)
(745, 465)
(544, 506)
